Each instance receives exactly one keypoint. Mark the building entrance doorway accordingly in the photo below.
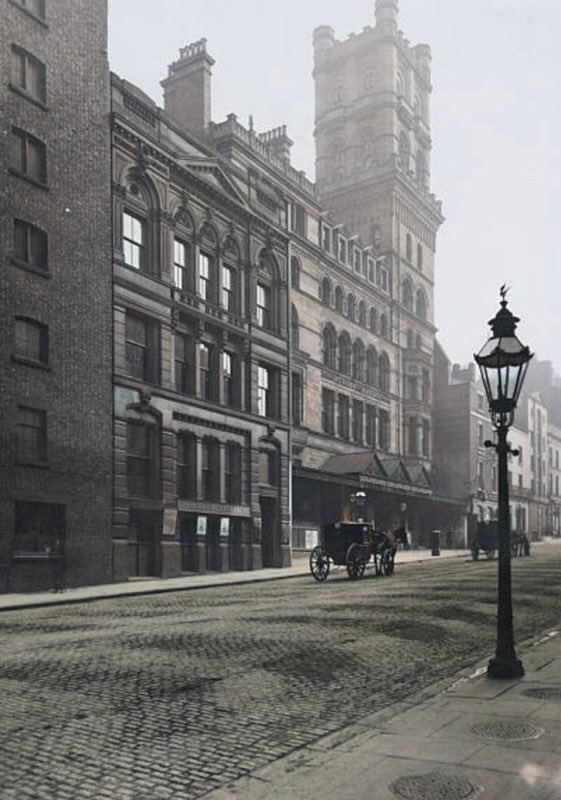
(147, 527)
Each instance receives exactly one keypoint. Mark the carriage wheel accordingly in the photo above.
(490, 553)
(387, 562)
(356, 563)
(319, 563)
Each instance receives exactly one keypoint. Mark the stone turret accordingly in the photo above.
(386, 17)
(187, 95)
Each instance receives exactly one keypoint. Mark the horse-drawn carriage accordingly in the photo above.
(353, 544)
(487, 541)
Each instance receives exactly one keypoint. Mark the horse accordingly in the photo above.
(383, 545)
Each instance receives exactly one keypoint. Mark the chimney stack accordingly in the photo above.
(187, 88)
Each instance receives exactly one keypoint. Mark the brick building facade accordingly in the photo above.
(55, 294)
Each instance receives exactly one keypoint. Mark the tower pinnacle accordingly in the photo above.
(386, 17)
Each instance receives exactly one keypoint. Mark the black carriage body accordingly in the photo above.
(339, 536)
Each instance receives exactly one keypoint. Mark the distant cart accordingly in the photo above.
(487, 542)
(353, 545)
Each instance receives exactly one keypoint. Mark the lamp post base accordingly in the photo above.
(505, 668)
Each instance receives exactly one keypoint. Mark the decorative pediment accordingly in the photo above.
(213, 174)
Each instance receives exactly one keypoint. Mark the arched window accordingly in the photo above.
(371, 367)
(421, 304)
(351, 309)
(421, 168)
(344, 346)
(294, 273)
(140, 226)
(230, 277)
(408, 247)
(183, 251)
(373, 320)
(326, 292)
(420, 256)
(207, 266)
(384, 330)
(339, 299)
(384, 372)
(404, 150)
(410, 339)
(358, 360)
(267, 312)
(330, 347)
(362, 314)
(294, 327)
(407, 294)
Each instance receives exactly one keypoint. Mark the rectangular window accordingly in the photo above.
(38, 527)
(204, 276)
(520, 482)
(358, 421)
(211, 470)
(425, 439)
(343, 417)
(412, 387)
(342, 255)
(297, 398)
(30, 245)
(205, 371)
(328, 411)
(263, 303)
(29, 156)
(31, 435)
(298, 219)
(233, 473)
(187, 466)
(228, 289)
(231, 379)
(383, 278)
(384, 430)
(480, 434)
(326, 238)
(425, 384)
(184, 364)
(180, 264)
(371, 270)
(31, 340)
(141, 348)
(140, 459)
(29, 74)
(35, 7)
(263, 392)
(371, 426)
(133, 241)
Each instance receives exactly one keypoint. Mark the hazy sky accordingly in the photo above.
(496, 126)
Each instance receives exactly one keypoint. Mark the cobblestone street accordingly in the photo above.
(171, 696)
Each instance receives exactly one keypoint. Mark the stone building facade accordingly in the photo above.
(55, 294)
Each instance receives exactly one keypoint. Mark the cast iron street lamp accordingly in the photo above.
(358, 499)
(503, 362)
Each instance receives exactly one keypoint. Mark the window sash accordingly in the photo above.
(133, 241)
(30, 156)
(31, 340)
(31, 434)
(179, 264)
(29, 73)
(30, 245)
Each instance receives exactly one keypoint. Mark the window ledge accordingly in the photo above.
(31, 268)
(30, 97)
(31, 463)
(29, 13)
(30, 179)
(30, 362)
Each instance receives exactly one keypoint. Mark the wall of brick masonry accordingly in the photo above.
(73, 299)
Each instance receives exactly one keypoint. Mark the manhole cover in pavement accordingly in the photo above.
(544, 693)
(507, 731)
(434, 786)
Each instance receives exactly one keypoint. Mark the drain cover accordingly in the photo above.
(507, 731)
(544, 693)
(434, 786)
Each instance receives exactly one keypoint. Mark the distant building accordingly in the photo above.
(55, 294)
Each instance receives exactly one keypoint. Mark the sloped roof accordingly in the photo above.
(385, 468)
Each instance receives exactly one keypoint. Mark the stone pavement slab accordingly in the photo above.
(498, 740)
